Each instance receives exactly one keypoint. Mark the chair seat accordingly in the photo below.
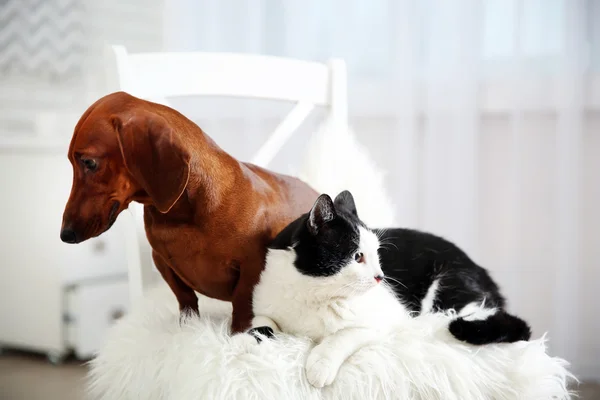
(149, 355)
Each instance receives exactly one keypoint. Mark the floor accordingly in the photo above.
(25, 376)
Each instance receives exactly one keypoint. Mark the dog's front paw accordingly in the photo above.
(320, 370)
(186, 314)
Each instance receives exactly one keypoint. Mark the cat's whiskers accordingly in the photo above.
(387, 241)
(359, 287)
(363, 286)
(334, 294)
(355, 287)
(385, 278)
(380, 232)
(383, 246)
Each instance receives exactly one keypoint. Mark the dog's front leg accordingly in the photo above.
(241, 318)
(186, 296)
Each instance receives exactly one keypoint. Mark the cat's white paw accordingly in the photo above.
(320, 370)
(243, 341)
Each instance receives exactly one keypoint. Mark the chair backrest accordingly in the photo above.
(157, 76)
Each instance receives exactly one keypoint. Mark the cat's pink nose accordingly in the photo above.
(379, 278)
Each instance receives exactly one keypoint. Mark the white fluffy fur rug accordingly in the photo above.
(148, 355)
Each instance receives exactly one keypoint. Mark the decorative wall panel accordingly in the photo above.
(42, 37)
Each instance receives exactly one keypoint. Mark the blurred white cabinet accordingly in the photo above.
(90, 310)
(44, 282)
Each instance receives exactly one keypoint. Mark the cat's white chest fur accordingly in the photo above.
(310, 306)
(332, 293)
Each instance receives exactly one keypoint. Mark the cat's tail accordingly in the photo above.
(500, 327)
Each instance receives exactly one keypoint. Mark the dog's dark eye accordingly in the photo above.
(359, 257)
(89, 164)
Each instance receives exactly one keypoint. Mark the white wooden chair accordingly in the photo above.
(157, 76)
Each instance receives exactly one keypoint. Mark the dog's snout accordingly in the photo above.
(68, 235)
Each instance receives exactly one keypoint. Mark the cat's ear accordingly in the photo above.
(321, 213)
(345, 200)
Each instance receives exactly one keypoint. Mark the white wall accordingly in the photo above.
(39, 90)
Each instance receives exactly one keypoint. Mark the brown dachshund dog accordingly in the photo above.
(208, 217)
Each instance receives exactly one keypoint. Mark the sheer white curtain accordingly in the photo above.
(485, 114)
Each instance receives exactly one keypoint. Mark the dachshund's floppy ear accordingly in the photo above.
(155, 156)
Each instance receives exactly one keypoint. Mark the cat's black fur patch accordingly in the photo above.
(498, 328)
(325, 252)
(328, 236)
(417, 258)
(266, 331)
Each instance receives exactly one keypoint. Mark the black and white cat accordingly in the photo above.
(327, 277)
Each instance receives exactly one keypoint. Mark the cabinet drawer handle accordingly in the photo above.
(99, 246)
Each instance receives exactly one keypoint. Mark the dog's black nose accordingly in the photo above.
(68, 235)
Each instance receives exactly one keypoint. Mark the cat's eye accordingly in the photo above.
(89, 164)
(359, 257)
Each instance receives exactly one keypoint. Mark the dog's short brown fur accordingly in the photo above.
(208, 217)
